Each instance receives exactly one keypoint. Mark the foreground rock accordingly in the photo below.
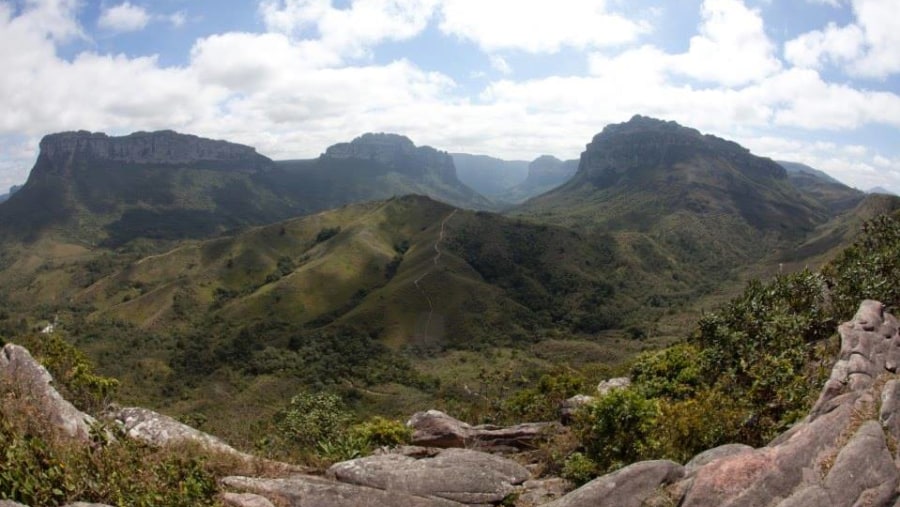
(838, 456)
(460, 475)
(31, 384)
(311, 491)
(434, 428)
(631, 486)
(161, 430)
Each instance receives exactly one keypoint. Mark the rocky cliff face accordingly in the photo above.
(163, 147)
(398, 153)
(549, 170)
(643, 143)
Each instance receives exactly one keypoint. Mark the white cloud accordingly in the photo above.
(124, 17)
(500, 64)
(865, 48)
(350, 31)
(177, 19)
(537, 26)
(732, 47)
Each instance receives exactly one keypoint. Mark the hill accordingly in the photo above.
(371, 167)
(705, 204)
(489, 176)
(544, 173)
(836, 196)
(97, 189)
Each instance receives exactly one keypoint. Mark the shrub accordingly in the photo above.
(579, 469)
(311, 418)
(378, 431)
(619, 428)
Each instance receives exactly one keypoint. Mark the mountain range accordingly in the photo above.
(186, 258)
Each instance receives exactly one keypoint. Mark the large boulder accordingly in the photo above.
(628, 487)
(161, 430)
(31, 383)
(838, 455)
(311, 491)
(461, 475)
(434, 428)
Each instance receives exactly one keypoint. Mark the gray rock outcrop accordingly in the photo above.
(628, 487)
(460, 475)
(434, 428)
(161, 430)
(843, 454)
(163, 147)
(311, 491)
(31, 383)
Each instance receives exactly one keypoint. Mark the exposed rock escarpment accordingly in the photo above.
(398, 153)
(164, 147)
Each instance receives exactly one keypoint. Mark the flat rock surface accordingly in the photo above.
(434, 428)
(460, 475)
(310, 491)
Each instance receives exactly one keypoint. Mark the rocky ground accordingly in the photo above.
(844, 453)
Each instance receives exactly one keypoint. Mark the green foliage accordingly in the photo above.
(311, 418)
(579, 469)
(38, 468)
(378, 431)
(72, 371)
(327, 233)
(868, 269)
(619, 428)
(541, 402)
(674, 372)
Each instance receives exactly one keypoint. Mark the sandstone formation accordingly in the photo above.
(434, 428)
(398, 153)
(460, 475)
(164, 147)
(31, 383)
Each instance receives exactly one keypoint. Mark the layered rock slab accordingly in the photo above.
(460, 475)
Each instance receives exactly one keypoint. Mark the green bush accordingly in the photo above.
(378, 431)
(311, 418)
(619, 428)
(579, 469)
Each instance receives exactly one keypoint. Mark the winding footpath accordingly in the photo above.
(437, 257)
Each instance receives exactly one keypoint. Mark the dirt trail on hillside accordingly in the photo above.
(437, 257)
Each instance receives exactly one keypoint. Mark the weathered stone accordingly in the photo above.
(460, 475)
(245, 500)
(864, 467)
(628, 487)
(10, 503)
(614, 383)
(161, 430)
(812, 496)
(434, 428)
(761, 476)
(162, 147)
(30, 381)
(568, 407)
(889, 414)
(542, 491)
(710, 455)
(310, 491)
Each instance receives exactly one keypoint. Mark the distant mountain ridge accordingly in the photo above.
(97, 188)
(487, 175)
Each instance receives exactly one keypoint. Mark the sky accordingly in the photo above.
(811, 81)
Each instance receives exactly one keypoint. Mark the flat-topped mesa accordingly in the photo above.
(644, 142)
(398, 153)
(164, 147)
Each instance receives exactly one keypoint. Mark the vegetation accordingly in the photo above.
(750, 369)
